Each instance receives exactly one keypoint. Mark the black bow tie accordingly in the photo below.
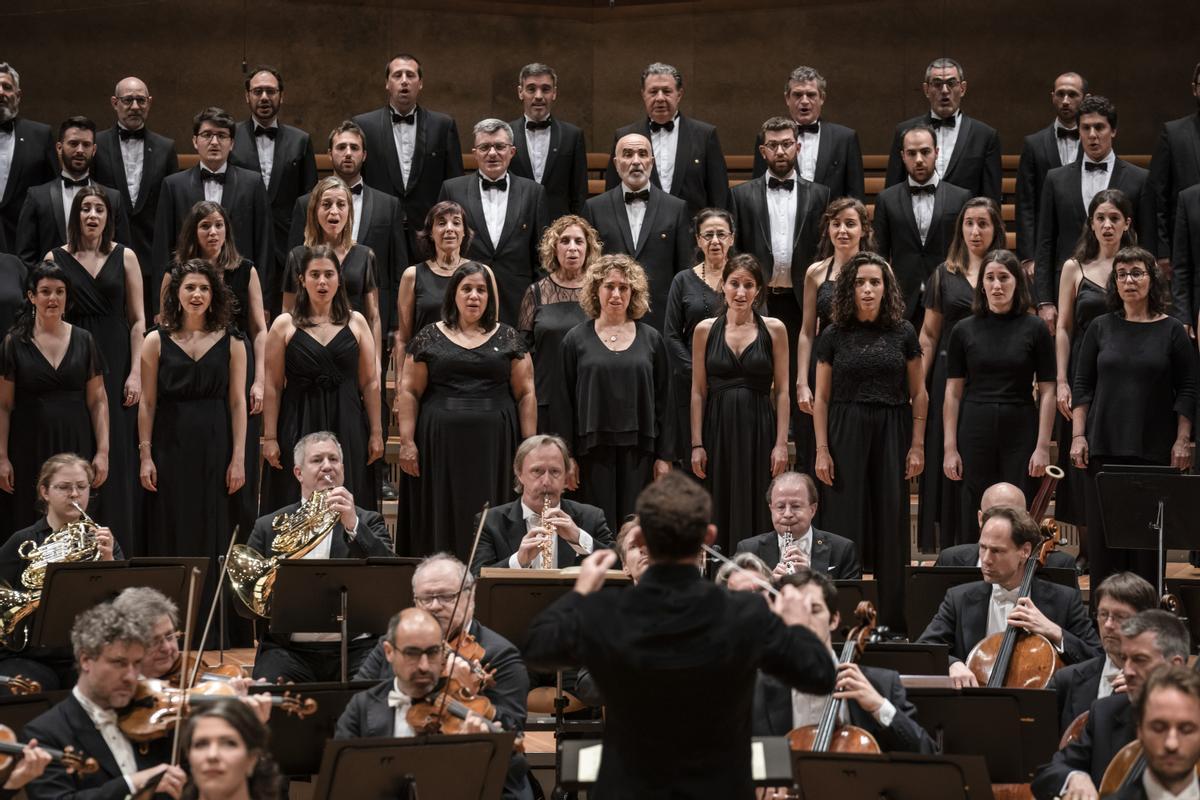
(270, 133)
(1096, 166)
(127, 134)
(812, 127)
(644, 194)
(7, 127)
(787, 185)
(215, 177)
(655, 127)
(938, 122)
(404, 119)
(928, 188)
(501, 184)
(1067, 133)
(530, 125)
(356, 188)
(70, 183)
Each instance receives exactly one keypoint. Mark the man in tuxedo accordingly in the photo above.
(134, 160)
(239, 191)
(642, 221)
(1174, 166)
(1068, 192)
(1166, 726)
(26, 156)
(283, 157)
(967, 150)
(415, 149)
(548, 150)
(515, 533)
(1185, 273)
(109, 646)
(971, 612)
(1119, 597)
(1053, 146)
(914, 220)
(45, 216)
(688, 162)
(998, 494)
(792, 498)
(829, 154)
(875, 698)
(653, 648)
(358, 533)
(1149, 640)
(507, 212)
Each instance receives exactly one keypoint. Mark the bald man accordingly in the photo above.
(998, 494)
(133, 160)
(641, 220)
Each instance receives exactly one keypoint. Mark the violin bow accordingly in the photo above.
(195, 671)
(462, 584)
(754, 578)
(187, 644)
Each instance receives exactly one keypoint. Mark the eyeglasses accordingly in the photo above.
(415, 653)
(720, 236)
(790, 143)
(159, 641)
(939, 85)
(208, 136)
(436, 599)
(1113, 616)
(134, 100)
(264, 91)
(68, 488)
(1133, 274)
(484, 149)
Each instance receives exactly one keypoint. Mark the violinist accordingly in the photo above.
(1148, 641)
(64, 481)
(159, 615)
(226, 748)
(877, 702)
(33, 763)
(972, 611)
(1168, 727)
(109, 646)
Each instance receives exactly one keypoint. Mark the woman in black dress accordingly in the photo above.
(1081, 298)
(1134, 396)
(949, 295)
(466, 402)
(740, 404)
(321, 375)
(106, 301)
(549, 309)
(52, 397)
(618, 372)
(993, 430)
(695, 295)
(869, 419)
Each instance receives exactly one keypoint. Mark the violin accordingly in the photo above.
(1017, 659)
(827, 736)
(74, 760)
(209, 671)
(157, 706)
(446, 708)
(477, 677)
(18, 684)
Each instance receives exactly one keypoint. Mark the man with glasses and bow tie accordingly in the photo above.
(239, 191)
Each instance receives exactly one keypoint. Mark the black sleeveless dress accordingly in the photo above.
(359, 275)
(244, 505)
(428, 290)
(548, 311)
(739, 432)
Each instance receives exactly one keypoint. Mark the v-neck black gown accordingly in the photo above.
(244, 505)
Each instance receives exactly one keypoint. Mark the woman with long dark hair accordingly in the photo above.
(227, 750)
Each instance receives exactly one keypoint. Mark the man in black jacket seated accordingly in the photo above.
(1168, 727)
(1149, 640)
(514, 533)
(792, 498)
(359, 533)
(655, 647)
(876, 700)
(998, 494)
(971, 612)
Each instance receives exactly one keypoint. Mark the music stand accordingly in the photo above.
(464, 767)
(507, 605)
(340, 595)
(297, 744)
(770, 762)
(927, 587)
(1149, 508)
(908, 658)
(820, 776)
(16, 711)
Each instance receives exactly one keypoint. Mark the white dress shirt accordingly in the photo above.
(8, 142)
(808, 708)
(1156, 791)
(533, 519)
(922, 206)
(322, 551)
(401, 702)
(495, 206)
(665, 143)
(803, 542)
(635, 211)
(1093, 181)
(1107, 676)
(356, 200)
(1068, 149)
(405, 137)
(810, 143)
(106, 724)
(133, 156)
(946, 139)
(781, 212)
(68, 193)
(539, 147)
(265, 146)
(1000, 605)
(213, 191)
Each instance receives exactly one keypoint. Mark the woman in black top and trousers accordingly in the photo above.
(1134, 396)
(993, 431)
(869, 418)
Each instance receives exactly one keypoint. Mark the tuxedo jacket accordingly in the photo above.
(293, 173)
(1075, 687)
(437, 157)
(1039, 155)
(68, 724)
(1062, 217)
(961, 621)
(967, 555)
(748, 202)
(773, 713)
(514, 258)
(1185, 261)
(244, 200)
(839, 165)
(505, 528)
(832, 555)
(898, 239)
(43, 223)
(1110, 727)
(665, 244)
(1174, 167)
(659, 742)
(974, 164)
(700, 178)
(34, 161)
(565, 176)
(371, 538)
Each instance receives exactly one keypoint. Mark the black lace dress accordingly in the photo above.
(548, 311)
